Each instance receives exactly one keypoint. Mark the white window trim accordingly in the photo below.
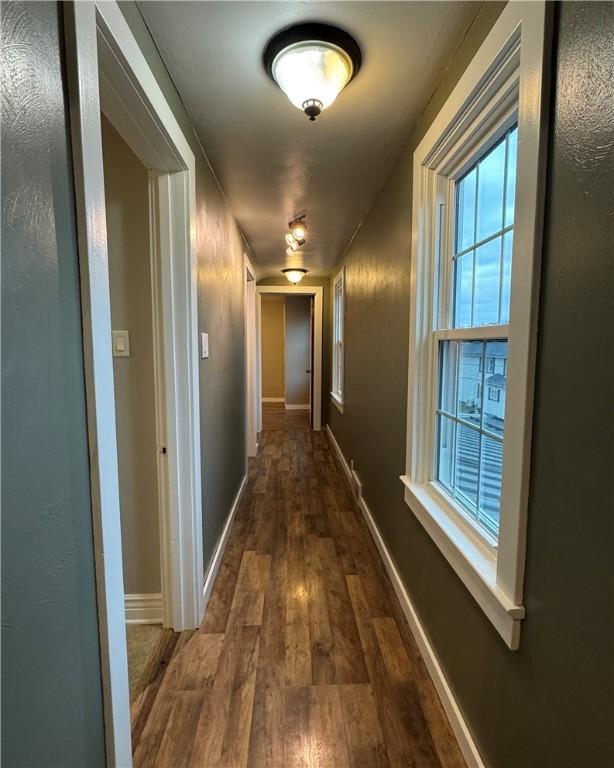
(508, 70)
(338, 387)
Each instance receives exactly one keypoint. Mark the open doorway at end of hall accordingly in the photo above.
(287, 353)
(130, 284)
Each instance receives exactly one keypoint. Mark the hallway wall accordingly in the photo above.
(51, 686)
(549, 703)
(273, 327)
(220, 247)
(127, 209)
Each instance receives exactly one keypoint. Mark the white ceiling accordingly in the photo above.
(271, 161)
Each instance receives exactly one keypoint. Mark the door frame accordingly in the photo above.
(107, 71)
(251, 389)
(317, 291)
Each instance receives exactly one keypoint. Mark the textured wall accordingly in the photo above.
(298, 349)
(272, 346)
(549, 704)
(220, 248)
(51, 689)
(127, 208)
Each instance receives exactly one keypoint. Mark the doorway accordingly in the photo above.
(108, 73)
(128, 247)
(302, 390)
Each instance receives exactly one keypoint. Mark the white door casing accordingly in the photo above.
(107, 71)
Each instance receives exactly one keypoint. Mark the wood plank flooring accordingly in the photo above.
(303, 658)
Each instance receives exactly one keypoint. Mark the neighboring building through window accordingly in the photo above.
(338, 332)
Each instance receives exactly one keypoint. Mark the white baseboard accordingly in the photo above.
(216, 560)
(273, 399)
(143, 608)
(304, 407)
(450, 705)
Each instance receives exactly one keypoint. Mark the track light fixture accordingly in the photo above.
(298, 229)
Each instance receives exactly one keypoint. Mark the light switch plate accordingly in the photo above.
(204, 345)
(121, 344)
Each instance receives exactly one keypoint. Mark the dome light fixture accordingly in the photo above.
(312, 63)
(294, 275)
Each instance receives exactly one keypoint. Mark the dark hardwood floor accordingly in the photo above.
(304, 657)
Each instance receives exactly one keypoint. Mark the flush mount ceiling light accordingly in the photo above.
(294, 275)
(312, 63)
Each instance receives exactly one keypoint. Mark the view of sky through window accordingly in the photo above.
(483, 238)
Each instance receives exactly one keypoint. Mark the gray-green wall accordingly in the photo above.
(549, 704)
(51, 688)
(220, 247)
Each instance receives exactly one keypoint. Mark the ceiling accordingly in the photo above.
(271, 161)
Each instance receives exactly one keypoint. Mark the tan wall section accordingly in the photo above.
(298, 348)
(272, 331)
(126, 191)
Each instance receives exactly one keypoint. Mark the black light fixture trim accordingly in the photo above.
(313, 30)
(294, 269)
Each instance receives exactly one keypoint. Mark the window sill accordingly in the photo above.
(472, 560)
(337, 402)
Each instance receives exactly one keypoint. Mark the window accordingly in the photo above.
(477, 200)
(469, 431)
(338, 319)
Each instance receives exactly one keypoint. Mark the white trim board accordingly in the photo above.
(452, 709)
(303, 407)
(143, 608)
(216, 560)
(273, 399)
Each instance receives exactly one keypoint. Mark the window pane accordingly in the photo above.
(491, 471)
(467, 456)
(463, 291)
(447, 376)
(470, 425)
(465, 212)
(470, 369)
(445, 452)
(510, 190)
(491, 175)
(487, 273)
(506, 281)
(495, 385)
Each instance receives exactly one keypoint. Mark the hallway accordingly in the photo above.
(303, 657)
